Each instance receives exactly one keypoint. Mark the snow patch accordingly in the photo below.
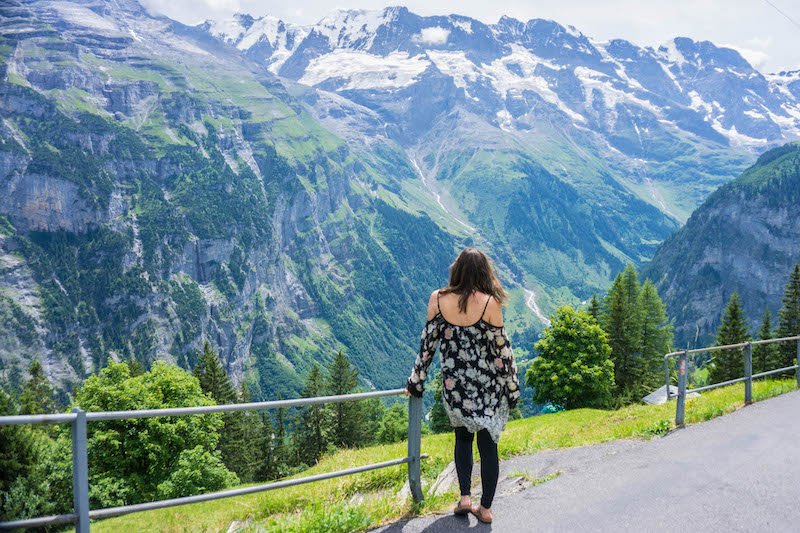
(84, 17)
(363, 70)
(463, 25)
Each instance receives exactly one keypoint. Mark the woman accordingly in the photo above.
(479, 375)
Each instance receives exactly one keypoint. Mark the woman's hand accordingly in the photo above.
(406, 393)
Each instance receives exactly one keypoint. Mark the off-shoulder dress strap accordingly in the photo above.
(489, 299)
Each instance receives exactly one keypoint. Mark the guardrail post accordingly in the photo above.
(748, 373)
(680, 408)
(80, 471)
(666, 375)
(797, 372)
(414, 445)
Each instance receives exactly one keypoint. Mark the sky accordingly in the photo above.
(765, 32)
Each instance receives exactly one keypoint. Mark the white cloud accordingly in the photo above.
(759, 59)
(432, 35)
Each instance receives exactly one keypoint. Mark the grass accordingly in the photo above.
(356, 503)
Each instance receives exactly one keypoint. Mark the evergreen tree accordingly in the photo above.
(345, 423)
(729, 364)
(233, 442)
(622, 321)
(765, 356)
(656, 337)
(439, 421)
(594, 307)
(282, 456)
(213, 378)
(789, 319)
(135, 367)
(37, 392)
(310, 436)
(573, 368)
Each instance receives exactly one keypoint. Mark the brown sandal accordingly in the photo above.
(462, 511)
(479, 515)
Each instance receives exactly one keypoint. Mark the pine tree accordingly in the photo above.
(789, 319)
(439, 421)
(310, 436)
(212, 376)
(729, 364)
(346, 423)
(765, 356)
(373, 413)
(281, 452)
(622, 321)
(656, 337)
(37, 392)
(233, 442)
(594, 307)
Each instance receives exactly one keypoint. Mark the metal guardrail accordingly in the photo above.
(680, 407)
(78, 419)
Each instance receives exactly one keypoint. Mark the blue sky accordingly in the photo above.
(768, 39)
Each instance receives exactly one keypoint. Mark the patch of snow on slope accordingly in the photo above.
(463, 25)
(365, 71)
(592, 79)
(503, 79)
(353, 28)
(84, 17)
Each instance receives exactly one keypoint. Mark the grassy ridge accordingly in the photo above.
(369, 499)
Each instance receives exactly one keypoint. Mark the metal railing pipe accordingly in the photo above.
(666, 376)
(149, 506)
(716, 385)
(233, 407)
(42, 521)
(776, 371)
(18, 420)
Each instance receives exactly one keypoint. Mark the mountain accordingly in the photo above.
(148, 205)
(657, 118)
(745, 237)
(287, 191)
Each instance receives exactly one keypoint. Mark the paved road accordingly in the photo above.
(740, 472)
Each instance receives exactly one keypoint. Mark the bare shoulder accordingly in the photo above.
(433, 304)
(494, 312)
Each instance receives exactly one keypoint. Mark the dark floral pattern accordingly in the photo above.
(479, 375)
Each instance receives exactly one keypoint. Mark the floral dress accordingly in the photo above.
(479, 376)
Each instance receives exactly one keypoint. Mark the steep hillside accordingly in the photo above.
(744, 238)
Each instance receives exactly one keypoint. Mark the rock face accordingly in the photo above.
(744, 238)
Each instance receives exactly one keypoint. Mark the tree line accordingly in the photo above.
(606, 355)
(735, 328)
(611, 353)
(133, 461)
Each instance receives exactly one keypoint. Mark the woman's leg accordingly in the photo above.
(463, 459)
(490, 467)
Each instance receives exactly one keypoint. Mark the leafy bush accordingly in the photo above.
(573, 368)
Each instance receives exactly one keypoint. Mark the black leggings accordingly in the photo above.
(490, 463)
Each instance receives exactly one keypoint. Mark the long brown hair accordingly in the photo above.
(473, 271)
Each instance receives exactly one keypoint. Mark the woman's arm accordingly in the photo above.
(429, 342)
(507, 367)
(507, 371)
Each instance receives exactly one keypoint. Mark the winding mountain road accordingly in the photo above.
(739, 472)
